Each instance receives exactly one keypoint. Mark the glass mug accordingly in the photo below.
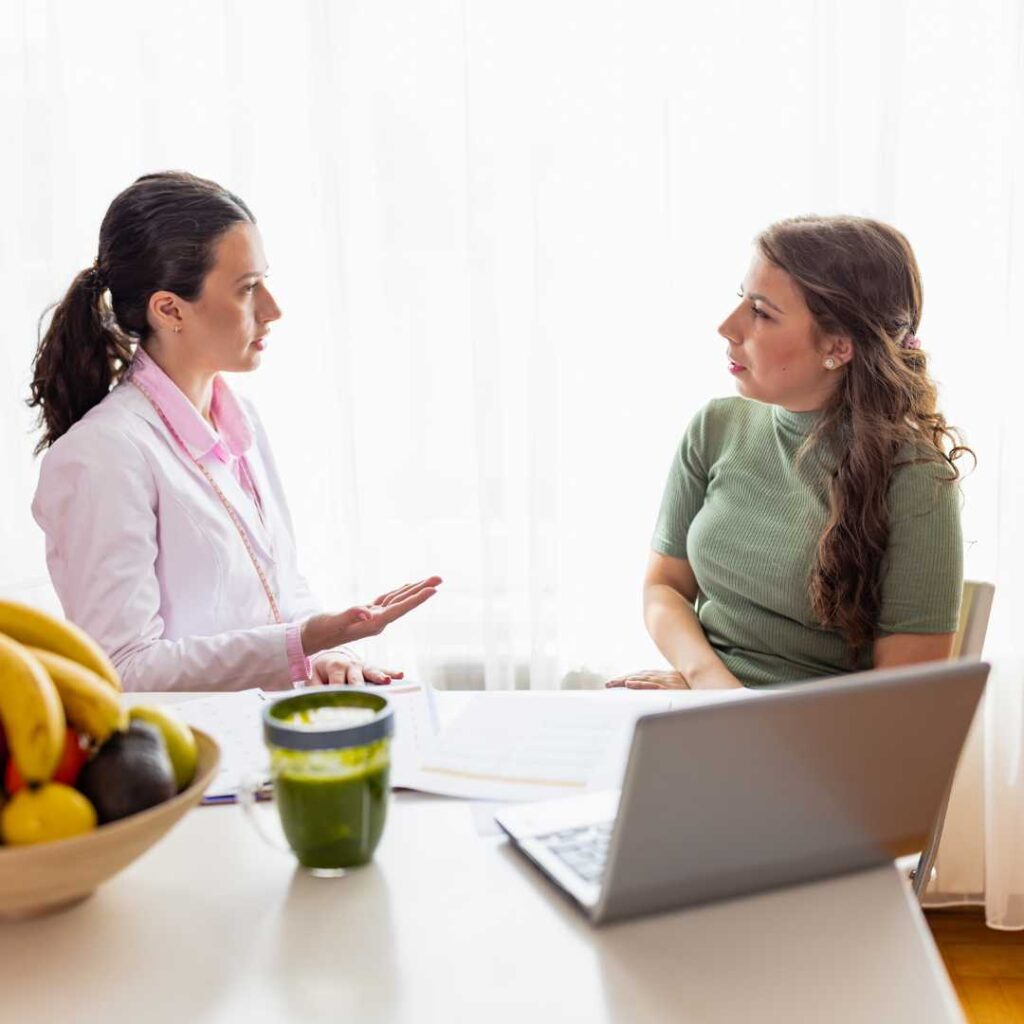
(330, 760)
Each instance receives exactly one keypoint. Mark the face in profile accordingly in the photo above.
(775, 353)
(226, 327)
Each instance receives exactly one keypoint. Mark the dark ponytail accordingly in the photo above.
(78, 360)
(159, 234)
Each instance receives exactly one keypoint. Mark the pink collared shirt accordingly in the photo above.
(228, 443)
(146, 558)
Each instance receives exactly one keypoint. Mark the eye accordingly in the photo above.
(251, 287)
(758, 312)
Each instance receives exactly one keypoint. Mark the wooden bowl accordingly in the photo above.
(42, 877)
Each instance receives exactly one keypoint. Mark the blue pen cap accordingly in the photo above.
(284, 725)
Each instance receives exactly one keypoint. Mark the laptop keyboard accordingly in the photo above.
(584, 849)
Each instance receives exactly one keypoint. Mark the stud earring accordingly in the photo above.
(830, 363)
(177, 330)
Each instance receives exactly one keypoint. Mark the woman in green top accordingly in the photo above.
(811, 526)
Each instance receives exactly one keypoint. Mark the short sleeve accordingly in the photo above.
(923, 572)
(684, 490)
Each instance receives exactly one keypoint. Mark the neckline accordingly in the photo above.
(796, 422)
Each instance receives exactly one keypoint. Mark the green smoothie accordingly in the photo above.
(332, 800)
(333, 820)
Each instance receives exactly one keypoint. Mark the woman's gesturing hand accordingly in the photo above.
(650, 679)
(323, 631)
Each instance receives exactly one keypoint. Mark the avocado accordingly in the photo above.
(129, 773)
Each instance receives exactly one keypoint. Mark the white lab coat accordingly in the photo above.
(145, 558)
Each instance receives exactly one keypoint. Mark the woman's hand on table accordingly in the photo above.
(340, 668)
(713, 677)
(322, 632)
(650, 679)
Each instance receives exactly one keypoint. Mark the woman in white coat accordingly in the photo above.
(168, 536)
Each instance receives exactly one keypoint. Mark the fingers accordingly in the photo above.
(395, 595)
(369, 620)
(647, 680)
(400, 607)
(624, 680)
(335, 670)
(387, 598)
(376, 676)
(403, 592)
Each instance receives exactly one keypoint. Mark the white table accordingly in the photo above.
(448, 925)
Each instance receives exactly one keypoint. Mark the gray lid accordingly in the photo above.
(292, 737)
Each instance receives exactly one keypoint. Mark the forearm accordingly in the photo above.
(676, 631)
(234, 660)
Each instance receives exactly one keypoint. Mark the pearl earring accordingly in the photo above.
(830, 363)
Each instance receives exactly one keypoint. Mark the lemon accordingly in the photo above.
(52, 811)
(178, 738)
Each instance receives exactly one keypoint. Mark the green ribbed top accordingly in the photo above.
(748, 520)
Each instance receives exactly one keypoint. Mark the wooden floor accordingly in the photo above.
(987, 966)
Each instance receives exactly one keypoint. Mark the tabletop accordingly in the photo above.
(449, 924)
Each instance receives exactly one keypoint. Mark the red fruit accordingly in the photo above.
(71, 762)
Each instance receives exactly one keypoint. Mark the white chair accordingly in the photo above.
(975, 608)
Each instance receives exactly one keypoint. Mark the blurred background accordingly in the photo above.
(503, 236)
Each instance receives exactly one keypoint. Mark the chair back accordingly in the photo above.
(975, 608)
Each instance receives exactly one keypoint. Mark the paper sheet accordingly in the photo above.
(233, 720)
(538, 745)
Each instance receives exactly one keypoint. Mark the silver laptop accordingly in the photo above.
(802, 782)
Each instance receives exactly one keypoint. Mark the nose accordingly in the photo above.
(269, 309)
(728, 328)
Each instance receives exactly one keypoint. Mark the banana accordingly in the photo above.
(90, 705)
(35, 628)
(31, 712)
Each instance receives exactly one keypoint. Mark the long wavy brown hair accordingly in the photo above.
(860, 279)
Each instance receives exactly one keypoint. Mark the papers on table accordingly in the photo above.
(233, 720)
(538, 745)
(502, 746)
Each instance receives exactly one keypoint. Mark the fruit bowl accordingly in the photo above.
(50, 876)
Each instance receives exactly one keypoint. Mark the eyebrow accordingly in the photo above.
(253, 273)
(758, 297)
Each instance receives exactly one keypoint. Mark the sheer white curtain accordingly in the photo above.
(502, 236)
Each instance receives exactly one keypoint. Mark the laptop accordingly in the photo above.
(803, 782)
